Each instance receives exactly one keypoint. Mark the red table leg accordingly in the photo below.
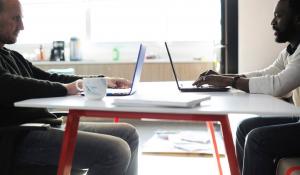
(292, 169)
(68, 144)
(70, 135)
(229, 146)
(116, 119)
(210, 126)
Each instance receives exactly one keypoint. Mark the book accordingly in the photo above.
(167, 100)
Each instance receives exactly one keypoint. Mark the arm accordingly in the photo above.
(29, 70)
(213, 78)
(276, 67)
(70, 81)
(281, 78)
(241, 82)
(277, 85)
(42, 80)
(15, 88)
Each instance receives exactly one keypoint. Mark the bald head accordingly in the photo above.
(10, 21)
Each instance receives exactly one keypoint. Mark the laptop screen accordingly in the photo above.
(190, 88)
(172, 65)
(138, 68)
(136, 76)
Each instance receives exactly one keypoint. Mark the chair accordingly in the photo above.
(9, 137)
(288, 166)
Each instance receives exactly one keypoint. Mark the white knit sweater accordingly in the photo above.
(280, 79)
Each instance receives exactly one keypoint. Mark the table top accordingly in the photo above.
(221, 103)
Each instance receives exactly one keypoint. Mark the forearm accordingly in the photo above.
(43, 75)
(242, 84)
(15, 88)
(236, 81)
(234, 75)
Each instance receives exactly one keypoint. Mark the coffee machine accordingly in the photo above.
(58, 51)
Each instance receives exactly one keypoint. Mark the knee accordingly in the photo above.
(245, 127)
(118, 154)
(255, 139)
(132, 134)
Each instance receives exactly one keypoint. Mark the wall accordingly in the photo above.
(187, 51)
(257, 47)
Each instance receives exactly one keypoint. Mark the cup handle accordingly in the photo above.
(77, 85)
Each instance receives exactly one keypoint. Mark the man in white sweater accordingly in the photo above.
(263, 140)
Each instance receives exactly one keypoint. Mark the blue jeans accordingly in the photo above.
(102, 148)
(261, 141)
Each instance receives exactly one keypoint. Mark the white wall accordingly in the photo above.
(257, 46)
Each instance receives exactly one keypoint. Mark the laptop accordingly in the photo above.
(184, 87)
(136, 77)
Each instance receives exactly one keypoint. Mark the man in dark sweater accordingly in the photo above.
(106, 149)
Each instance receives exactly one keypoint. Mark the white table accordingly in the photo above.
(216, 109)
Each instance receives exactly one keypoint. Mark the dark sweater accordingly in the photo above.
(21, 80)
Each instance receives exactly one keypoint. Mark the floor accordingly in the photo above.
(175, 165)
(178, 165)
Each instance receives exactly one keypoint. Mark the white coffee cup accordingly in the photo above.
(94, 88)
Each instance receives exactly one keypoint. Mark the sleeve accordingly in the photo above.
(277, 80)
(53, 77)
(273, 69)
(43, 75)
(15, 88)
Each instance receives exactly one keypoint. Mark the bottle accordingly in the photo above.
(116, 54)
(41, 55)
(75, 52)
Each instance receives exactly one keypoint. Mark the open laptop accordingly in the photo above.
(136, 76)
(184, 87)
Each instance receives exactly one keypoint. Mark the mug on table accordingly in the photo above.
(94, 88)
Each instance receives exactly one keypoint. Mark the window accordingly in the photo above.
(155, 20)
(115, 21)
(47, 21)
(121, 20)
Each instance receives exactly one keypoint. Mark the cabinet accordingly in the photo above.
(152, 71)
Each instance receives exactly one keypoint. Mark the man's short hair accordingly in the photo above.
(294, 5)
(1, 5)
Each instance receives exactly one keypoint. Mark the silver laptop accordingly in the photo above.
(135, 79)
(183, 87)
(136, 76)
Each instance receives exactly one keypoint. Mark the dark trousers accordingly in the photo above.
(263, 140)
(102, 148)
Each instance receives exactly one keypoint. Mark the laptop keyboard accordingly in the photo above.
(118, 91)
